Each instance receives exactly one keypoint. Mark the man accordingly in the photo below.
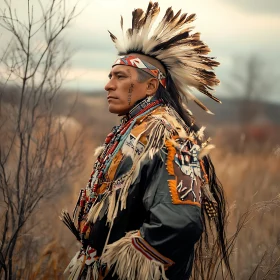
(152, 190)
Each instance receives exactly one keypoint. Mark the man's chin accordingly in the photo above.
(117, 111)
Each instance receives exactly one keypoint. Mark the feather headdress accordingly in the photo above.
(182, 54)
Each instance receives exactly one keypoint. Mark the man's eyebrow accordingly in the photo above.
(117, 73)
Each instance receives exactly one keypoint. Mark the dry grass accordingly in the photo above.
(252, 183)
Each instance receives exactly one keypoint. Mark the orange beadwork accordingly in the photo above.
(170, 157)
(173, 182)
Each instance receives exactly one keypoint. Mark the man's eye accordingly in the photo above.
(121, 77)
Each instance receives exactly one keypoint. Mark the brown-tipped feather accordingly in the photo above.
(202, 49)
(174, 40)
(141, 23)
(167, 15)
(202, 89)
(182, 19)
(170, 16)
(155, 10)
(129, 32)
(136, 17)
(176, 16)
(210, 77)
(201, 105)
(113, 37)
(190, 18)
(148, 11)
(208, 61)
(122, 23)
(195, 36)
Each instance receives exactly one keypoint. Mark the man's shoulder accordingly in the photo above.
(166, 120)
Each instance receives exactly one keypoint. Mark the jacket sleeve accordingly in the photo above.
(166, 239)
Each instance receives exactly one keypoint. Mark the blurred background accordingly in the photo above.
(55, 58)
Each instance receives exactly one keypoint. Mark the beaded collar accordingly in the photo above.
(138, 107)
(112, 145)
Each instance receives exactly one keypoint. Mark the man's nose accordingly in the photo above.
(110, 85)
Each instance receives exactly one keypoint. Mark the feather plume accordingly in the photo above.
(183, 54)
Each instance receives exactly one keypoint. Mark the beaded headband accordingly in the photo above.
(131, 60)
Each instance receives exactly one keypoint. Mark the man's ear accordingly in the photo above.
(152, 86)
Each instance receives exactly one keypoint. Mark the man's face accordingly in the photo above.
(123, 89)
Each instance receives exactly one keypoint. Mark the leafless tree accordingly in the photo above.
(36, 154)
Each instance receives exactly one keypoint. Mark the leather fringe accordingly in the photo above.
(75, 267)
(129, 263)
(96, 209)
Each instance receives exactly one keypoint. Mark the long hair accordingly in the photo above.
(211, 254)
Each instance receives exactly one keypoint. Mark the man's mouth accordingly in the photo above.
(111, 97)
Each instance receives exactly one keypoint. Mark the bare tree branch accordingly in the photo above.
(35, 154)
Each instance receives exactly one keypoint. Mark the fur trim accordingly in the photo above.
(130, 263)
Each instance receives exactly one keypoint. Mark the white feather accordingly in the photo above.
(184, 62)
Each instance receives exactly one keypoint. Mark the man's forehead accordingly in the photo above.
(122, 68)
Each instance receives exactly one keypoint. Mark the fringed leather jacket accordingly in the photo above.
(139, 216)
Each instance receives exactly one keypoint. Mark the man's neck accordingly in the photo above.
(139, 105)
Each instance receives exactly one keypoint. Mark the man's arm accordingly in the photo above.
(173, 225)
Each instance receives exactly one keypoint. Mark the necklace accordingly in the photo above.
(112, 144)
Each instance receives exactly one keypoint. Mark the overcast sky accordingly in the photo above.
(232, 28)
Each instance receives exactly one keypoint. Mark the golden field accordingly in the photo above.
(248, 170)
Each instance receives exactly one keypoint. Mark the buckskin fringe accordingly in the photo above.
(130, 263)
(75, 267)
(92, 273)
(111, 208)
(78, 265)
(95, 210)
